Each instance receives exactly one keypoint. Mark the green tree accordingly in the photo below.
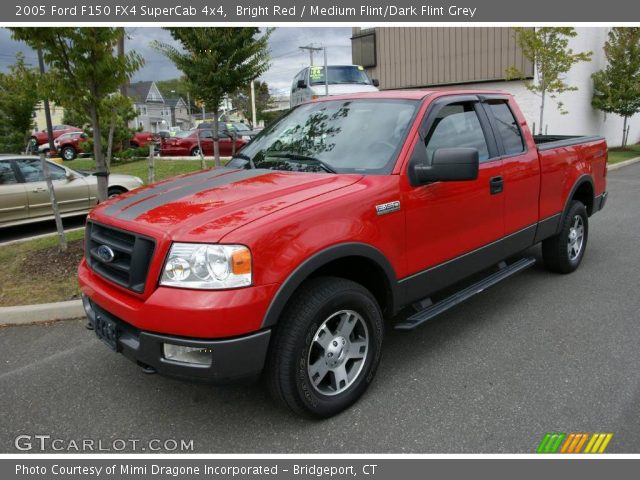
(216, 61)
(616, 89)
(548, 49)
(174, 87)
(241, 100)
(83, 73)
(18, 99)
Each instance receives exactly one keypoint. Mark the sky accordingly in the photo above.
(286, 58)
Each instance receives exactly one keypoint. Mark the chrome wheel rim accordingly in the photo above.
(575, 239)
(338, 352)
(195, 152)
(68, 154)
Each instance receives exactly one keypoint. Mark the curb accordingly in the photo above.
(44, 312)
(48, 312)
(618, 165)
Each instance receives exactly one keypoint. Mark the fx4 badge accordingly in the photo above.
(388, 207)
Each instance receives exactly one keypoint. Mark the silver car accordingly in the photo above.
(24, 197)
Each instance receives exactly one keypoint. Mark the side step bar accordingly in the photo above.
(435, 309)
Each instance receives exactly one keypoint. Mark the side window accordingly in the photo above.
(508, 128)
(457, 125)
(32, 170)
(206, 134)
(7, 176)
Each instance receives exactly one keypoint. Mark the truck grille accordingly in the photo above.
(119, 256)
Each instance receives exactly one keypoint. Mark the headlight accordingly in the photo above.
(206, 266)
(139, 180)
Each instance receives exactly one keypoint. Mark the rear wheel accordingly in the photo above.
(68, 153)
(563, 252)
(326, 348)
(195, 152)
(115, 191)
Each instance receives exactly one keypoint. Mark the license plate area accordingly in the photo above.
(107, 331)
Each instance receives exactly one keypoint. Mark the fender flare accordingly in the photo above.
(321, 258)
(582, 179)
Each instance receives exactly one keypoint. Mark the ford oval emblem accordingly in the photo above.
(105, 253)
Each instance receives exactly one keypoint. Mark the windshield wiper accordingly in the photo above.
(297, 156)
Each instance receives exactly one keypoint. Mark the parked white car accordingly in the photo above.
(310, 83)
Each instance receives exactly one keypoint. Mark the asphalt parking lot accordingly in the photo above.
(538, 353)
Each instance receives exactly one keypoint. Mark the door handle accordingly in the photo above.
(496, 185)
(39, 190)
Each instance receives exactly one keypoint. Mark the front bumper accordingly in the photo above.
(232, 359)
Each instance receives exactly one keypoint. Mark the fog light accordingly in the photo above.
(88, 308)
(182, 354)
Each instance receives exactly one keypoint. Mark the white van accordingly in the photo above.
(309, 83)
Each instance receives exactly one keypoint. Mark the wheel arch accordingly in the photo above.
(358, 262)
(583, 190)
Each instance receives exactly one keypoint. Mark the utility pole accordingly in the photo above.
(123, 87)
(311, 49)
(326, 73)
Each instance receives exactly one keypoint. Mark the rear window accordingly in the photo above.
(508, 128)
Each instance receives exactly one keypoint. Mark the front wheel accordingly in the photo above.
(68, 153)
(115, 191)
(195, 152)
(563, 252)
(326, 348)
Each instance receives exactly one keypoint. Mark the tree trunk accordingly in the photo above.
(101, 168)
(202, 162)
(112, 127)
(216, 139)
(543, 94)
(624, 132)
(54, 204)
(152, 164)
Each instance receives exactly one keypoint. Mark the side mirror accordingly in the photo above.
(70, 175)
(449, 165)
(375, 82)
(301, 84)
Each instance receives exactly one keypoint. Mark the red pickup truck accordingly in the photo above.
(346, 213)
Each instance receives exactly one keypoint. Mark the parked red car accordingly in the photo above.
(69, 145)
(42, 136)
(142, 139)
(186, 143)
(338, 216)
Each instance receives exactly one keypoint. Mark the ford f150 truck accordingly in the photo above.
(345, 213)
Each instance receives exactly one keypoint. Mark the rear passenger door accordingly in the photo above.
(446, 220)
(13, 195)
(520, 165)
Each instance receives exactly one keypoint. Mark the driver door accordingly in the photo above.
(448, 219)
(72, 194)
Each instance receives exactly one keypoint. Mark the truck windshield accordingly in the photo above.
(338, 136)
(339, 74)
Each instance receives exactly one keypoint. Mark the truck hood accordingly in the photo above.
(207, 205)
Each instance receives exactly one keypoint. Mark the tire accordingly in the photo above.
(115, 191)
(68, 153)
(195, 152)
(301, 373)
(563, 252)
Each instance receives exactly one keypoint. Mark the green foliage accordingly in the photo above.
(130, 153)
(548, 49)
(616, 89)
(83, 73)
(242, 100)
(18, 99)
(216, 61)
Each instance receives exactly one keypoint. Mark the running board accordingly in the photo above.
(436, 309)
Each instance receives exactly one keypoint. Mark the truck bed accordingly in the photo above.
(548, 142)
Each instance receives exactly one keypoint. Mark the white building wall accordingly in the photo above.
(582, 118)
